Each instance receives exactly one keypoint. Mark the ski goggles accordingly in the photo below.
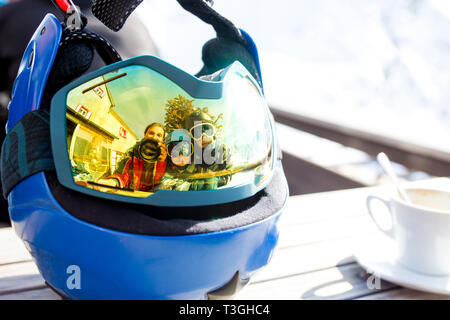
(100, 122)
(202, 129)
(178, 149)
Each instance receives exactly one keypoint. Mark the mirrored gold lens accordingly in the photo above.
(122, 135)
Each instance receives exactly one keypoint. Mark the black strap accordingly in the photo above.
(223, 27)
(26, 149)
(114, 13)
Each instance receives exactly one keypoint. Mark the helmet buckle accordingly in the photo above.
(73, 17)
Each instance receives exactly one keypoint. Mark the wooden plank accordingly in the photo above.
(433, 161)
(317, 150)
(12, 248)
(343, 282)
(38, 294)
(317, 237)
(326, 205)
(305, 177)
(19, 277)
(332, 229)
(338, 235)
(328, 216)
(404, 294)
(323, 238)
(346, 162)
(302, 259)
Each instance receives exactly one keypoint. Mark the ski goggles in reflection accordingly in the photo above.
(202, 129)
(180, 149)
(109, 134)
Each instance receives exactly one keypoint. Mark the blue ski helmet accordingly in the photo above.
(139, 180)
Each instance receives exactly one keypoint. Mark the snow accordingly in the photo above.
(379, 66)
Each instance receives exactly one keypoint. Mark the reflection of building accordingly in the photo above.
(97, 136)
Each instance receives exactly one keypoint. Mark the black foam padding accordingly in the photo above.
(170, 221)
(219, 53)
(106, 51)
(26, 149)
(73, 59)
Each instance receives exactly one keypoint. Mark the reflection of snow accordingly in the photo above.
(380, 66)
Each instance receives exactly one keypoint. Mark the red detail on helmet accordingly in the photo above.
(63, 5)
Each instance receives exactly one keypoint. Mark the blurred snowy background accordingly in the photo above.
(380, 66)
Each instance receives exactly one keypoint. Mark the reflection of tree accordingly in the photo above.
(178, 108)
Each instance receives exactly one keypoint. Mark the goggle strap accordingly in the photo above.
(229, 45)
(224, 28)
(26, 150)
(114, 13)
(219, 53)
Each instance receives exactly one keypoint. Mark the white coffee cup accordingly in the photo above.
(420, 229)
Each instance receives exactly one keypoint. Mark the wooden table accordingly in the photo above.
(313, 260)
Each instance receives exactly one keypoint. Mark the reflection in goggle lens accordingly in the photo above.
(149, 150)
(200, 129)
(209, 145)
(182, 148)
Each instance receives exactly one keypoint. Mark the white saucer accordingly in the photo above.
(377, 257)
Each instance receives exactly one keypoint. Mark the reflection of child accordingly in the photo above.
(138, 173)
(185, 169)
(179, 148)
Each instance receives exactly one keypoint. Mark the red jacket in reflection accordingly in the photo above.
(140, 175)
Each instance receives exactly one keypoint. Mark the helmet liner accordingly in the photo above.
(151, 220)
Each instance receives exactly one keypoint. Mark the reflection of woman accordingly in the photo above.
(146, 165)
